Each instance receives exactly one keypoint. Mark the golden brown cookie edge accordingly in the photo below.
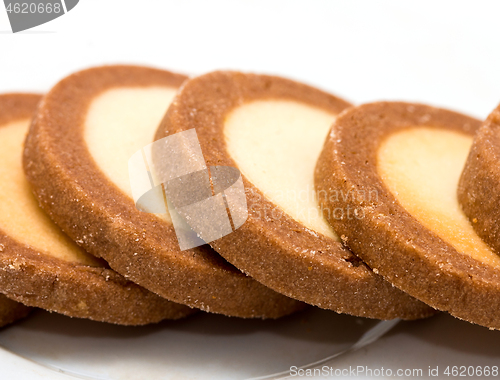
(81, 291)
(335, 278)
(31, 277)
(15, 106)
(11, 311)
(479, 186)
(200, 277)
(389, 239)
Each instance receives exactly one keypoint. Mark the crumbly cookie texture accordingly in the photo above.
(479, 187)
(281, 251)
(95, 212)
(11, 311)
(406, 234)
(39, 265)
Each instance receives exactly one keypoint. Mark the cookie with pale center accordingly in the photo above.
(397, 166)
(42, 267)
(77, 152)
(272, 130)
(479, 186)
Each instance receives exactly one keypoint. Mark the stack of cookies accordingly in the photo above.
(365, 210)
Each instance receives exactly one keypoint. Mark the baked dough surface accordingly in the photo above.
(422, 166)
(276, 144)
(20, 216)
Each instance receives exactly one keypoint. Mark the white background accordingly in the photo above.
(441, 53)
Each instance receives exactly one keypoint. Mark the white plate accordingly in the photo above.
(210, 346)
(205, 346)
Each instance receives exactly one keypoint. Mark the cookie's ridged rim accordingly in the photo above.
(35, 279)
(11, 311)
(108, 224)
(327, 275)
(479, 186)
(81, 291)
(389, 238)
